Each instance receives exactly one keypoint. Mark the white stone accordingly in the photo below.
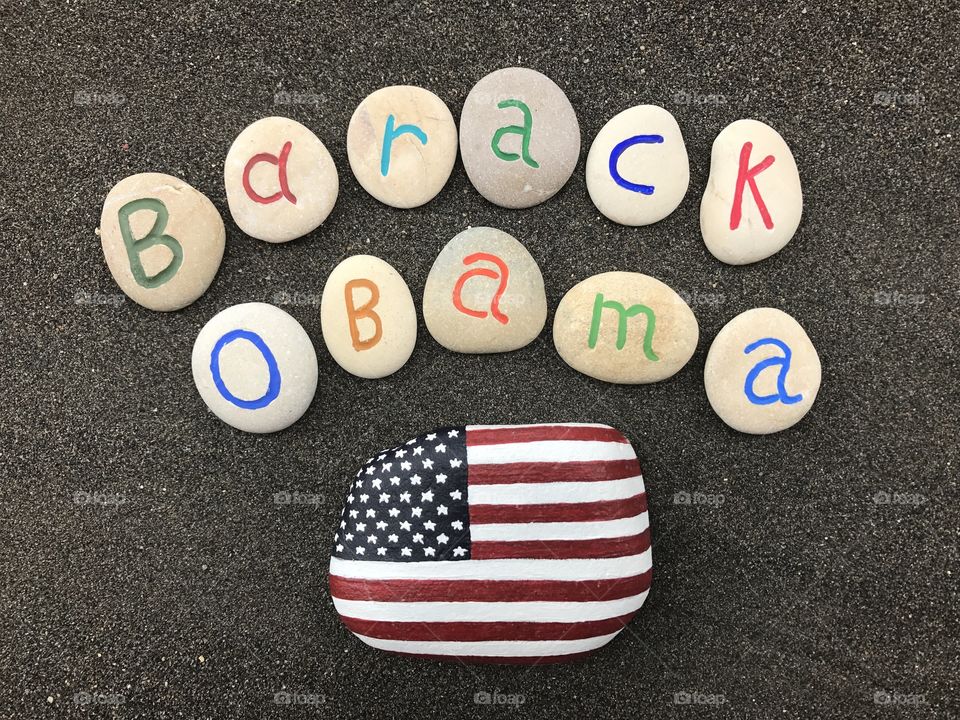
(368, 317)
(752, 235)
(267, 367)
(281, 181)
(645, 147)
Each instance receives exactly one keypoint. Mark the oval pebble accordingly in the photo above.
(255, 367)
(162, 239)
(504, 568)
(484, 294)
(402, 143)
(752, 204)
(281, 181)
(625, 327)
(637, 168)
(519, 137)
(762, 372)
(368, 317)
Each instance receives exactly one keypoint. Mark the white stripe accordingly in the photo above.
(488, 611)
(558, 492)
(549, 451)
(536, 425)
(599, 569)
(494, 648)
(561, 530)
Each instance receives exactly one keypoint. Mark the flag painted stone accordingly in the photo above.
(255, 367)
(281, 181)
(162, 239)
(401, 144)
(484, 294)
(368, 318)
(752, 204)
(637, 168)
(625, 327)
(509, 544)
(762, 372)
(519, 137)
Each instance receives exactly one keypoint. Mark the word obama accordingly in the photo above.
(519, 140)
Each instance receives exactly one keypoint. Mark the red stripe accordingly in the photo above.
(540, 472)
(559, 512)
(480, 631)
(496, 436)
(488, 590)
(560, 549)
(500, 660)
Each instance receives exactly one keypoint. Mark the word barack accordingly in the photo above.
(162, 239)
(281, 181)
(762, 372)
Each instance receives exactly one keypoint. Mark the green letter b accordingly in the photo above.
(154, 237)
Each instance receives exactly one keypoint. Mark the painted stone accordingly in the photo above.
(368, 317)
(162, 239)
(519, 544)
(255, 367)
(625, 327)
(280, 180)
(637, 168)
(484, 294)
(402, 143)
(762, 372)
(753, 201)
(519, 137)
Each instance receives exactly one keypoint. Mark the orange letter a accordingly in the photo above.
(364, 311)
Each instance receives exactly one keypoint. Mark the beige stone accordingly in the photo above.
(415, 170)
(292, 180)
(176, 239)
(519, 137)
(769, 388)
(625, 347)
(647, 148)
(484, 294)
(368, 317)
(751, 236)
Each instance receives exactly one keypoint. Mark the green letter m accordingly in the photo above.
(624, 315)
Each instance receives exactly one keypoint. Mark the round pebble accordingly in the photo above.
(625, 327)
(519, 137)
(762, 372)
(368, 317)
(255, 367)
(162, 240)
(402, 143)
(637, 168)
(484, 294)
(280, 180)
(752, 204)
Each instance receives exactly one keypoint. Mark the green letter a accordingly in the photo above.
(624, 315)
(522, 130)
(154, 237)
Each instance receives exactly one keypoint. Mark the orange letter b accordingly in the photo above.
(364, 311)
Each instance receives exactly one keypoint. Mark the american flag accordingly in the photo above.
(506, 544)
